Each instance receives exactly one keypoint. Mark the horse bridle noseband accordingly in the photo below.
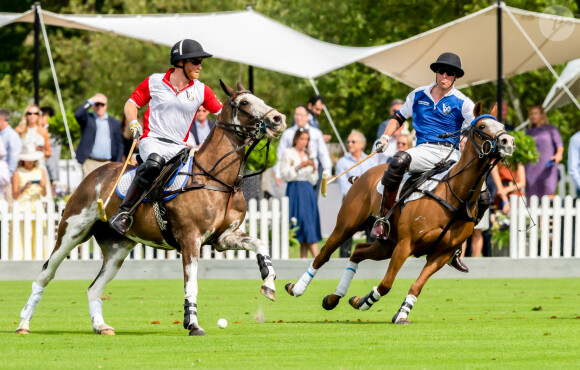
(254, 130)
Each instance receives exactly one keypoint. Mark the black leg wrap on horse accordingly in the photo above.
(396, 170)
(149, 170)
(263, 263)
(189, 309)
(483, 204)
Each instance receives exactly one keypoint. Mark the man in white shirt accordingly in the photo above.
(355, 143)
(316, 146)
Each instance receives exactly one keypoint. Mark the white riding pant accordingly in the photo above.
(426, 156)
(150, 145)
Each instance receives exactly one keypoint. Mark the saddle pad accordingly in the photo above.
(430, 184)
(177, 181)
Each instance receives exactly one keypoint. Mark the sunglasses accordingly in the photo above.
(402, 144)
(100, 104)
(351, 141)
(32, 113)
(447, 71)
(195, 61)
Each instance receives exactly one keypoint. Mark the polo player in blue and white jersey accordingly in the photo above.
(436, 109)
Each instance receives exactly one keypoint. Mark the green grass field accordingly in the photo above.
(455, 324)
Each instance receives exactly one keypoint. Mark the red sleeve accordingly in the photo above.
(210, 101)
(141, 95)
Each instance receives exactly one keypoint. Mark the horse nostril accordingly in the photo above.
(277, 118)
(504, 141)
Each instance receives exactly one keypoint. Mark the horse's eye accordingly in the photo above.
(482, 127)
(244, 103)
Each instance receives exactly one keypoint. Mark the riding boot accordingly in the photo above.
(457, 263)
(122, 221)
(391, 180)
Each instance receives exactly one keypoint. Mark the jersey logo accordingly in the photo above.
(423, 102)
(446, 109)
(190, 95)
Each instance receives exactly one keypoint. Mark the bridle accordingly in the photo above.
(252, 134)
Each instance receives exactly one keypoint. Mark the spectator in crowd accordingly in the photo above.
(29, 184)
(5, 179)
(11, 141)
(542, 177)
(317, 147)
(396, 104)
(54, 158)
(200, 128)
(315, 106)
(31, 131)
(101, 139)
(299, 171)
(574, 161)
(355, 143)
(404, 142)
(505, 185)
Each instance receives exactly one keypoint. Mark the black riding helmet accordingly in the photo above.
(448, 60)
(186, 49)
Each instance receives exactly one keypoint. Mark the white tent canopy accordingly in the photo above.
(474, 39)
(570, 77)
(246, 37)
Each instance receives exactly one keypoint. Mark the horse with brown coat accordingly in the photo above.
(434, 225)
(210, 214)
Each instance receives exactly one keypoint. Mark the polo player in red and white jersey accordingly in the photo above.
(174, 98)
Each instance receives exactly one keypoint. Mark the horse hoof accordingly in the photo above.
(268, 293)
(403, 322)
(197, 333)
(354, 302)
(330, 302)
(289, 288)
(107, 332)
(22, 331)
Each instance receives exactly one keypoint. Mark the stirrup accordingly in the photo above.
(387, 228)
(129, 216)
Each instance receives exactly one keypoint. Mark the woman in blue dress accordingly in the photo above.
(301, 174)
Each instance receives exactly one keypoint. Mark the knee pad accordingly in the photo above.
(396, 170)
(149, 170)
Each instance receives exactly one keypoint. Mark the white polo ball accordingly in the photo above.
(222, 323)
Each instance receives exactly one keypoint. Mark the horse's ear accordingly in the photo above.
(494, 110)
(477, 109)
(228, 90)
(241, 87)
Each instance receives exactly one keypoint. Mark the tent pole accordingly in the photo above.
(36, 53)
(251, 78)
(39, 14)
(499, 63)
(519, 26)
(329, 117)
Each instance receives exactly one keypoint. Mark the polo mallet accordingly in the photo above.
(100, 205)
(325, 182)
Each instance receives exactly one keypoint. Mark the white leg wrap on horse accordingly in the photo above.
(368, 300)
(30, 306)
(302, 284)
(347, 276)
(405, 309)
(96, 310)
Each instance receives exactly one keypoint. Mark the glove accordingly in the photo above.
(136, 129)
(382, 144)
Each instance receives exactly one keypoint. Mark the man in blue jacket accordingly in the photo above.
(101, 139)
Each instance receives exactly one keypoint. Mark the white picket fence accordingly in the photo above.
(27, 235)
(556, 232)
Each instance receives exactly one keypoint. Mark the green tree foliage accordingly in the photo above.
(357, 97)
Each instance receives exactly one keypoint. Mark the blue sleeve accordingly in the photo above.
(82, 114)
(14, 148)
(341, 165)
